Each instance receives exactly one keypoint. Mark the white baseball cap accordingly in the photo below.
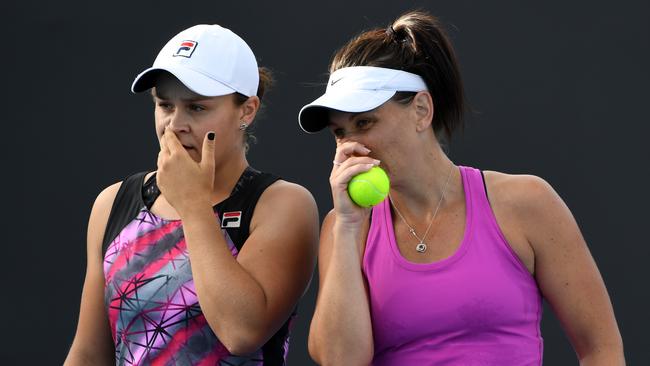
(357, 89)
(208, 59)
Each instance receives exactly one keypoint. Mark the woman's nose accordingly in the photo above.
(178, 121)
(348, 138)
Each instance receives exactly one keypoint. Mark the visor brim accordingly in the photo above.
(195, 81)
(314, 116)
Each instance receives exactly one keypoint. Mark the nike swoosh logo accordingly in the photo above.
(335, 81)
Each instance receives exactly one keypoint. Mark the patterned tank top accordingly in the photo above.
(154, 314)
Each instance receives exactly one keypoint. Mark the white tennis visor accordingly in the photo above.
(357, 89)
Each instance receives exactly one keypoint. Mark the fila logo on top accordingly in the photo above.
(231, 219)
(186, 49)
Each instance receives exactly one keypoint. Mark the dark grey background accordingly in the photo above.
(560, 90)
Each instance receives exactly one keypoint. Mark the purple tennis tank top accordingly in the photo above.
(479, 306)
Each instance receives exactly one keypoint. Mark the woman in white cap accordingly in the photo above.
(249, 236)
(452, 267)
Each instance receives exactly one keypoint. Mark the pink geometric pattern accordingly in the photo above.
(153, 310)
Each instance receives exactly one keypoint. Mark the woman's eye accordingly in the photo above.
(362, 123)
(164, 105)
(196, 108)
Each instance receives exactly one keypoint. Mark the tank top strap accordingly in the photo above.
(380, 225)
(476, 201)
(476, 192)
(488, 231)
(236, 212)
(482, 210)
(125, 208)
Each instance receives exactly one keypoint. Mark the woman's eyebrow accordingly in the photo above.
(196, 98)
(367, 114)
(352, 116)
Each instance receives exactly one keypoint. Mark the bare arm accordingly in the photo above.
(247, 300)
(341, 329)
(93, 344)
(567, 274)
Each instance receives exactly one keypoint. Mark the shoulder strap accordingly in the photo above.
(126, 206)
(243, 200)
(484, 185)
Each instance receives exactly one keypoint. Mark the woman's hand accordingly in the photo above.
(183, 182)
(347, 164)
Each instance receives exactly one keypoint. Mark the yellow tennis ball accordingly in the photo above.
(369, 188)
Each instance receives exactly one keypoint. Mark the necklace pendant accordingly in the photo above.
(421, 247)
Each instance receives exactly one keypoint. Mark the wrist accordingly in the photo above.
(194, 209)
(345, 228)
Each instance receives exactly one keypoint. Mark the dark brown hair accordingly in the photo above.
(266, 81)
(415, 43)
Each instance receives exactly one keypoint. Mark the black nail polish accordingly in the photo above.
(210, 136)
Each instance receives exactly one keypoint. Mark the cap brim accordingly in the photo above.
(195, 81)
(314, 116)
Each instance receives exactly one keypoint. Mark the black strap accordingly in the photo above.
(484, 185)
(244, 198)
(125, 207)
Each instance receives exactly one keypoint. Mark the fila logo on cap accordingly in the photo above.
(186, 49)
(231, 219)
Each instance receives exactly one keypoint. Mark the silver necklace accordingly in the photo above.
(421, 247)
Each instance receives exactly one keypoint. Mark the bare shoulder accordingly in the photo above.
(287, 194)
(281, 249)
(522, 193)
(284, 200)
(519, 203)
(104, 202)
(533, 201)
(99, 218)
(107, 195)
(530, 203)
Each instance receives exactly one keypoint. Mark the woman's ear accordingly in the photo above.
(424, 110)
(249, 109)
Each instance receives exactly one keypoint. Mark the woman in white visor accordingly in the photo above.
(452, 267)
(201, 262)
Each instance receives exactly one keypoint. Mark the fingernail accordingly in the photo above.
(376, 161)
(210, 136)
(367, 150)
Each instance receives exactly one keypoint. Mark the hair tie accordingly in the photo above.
(400, 36)
(390, 31)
